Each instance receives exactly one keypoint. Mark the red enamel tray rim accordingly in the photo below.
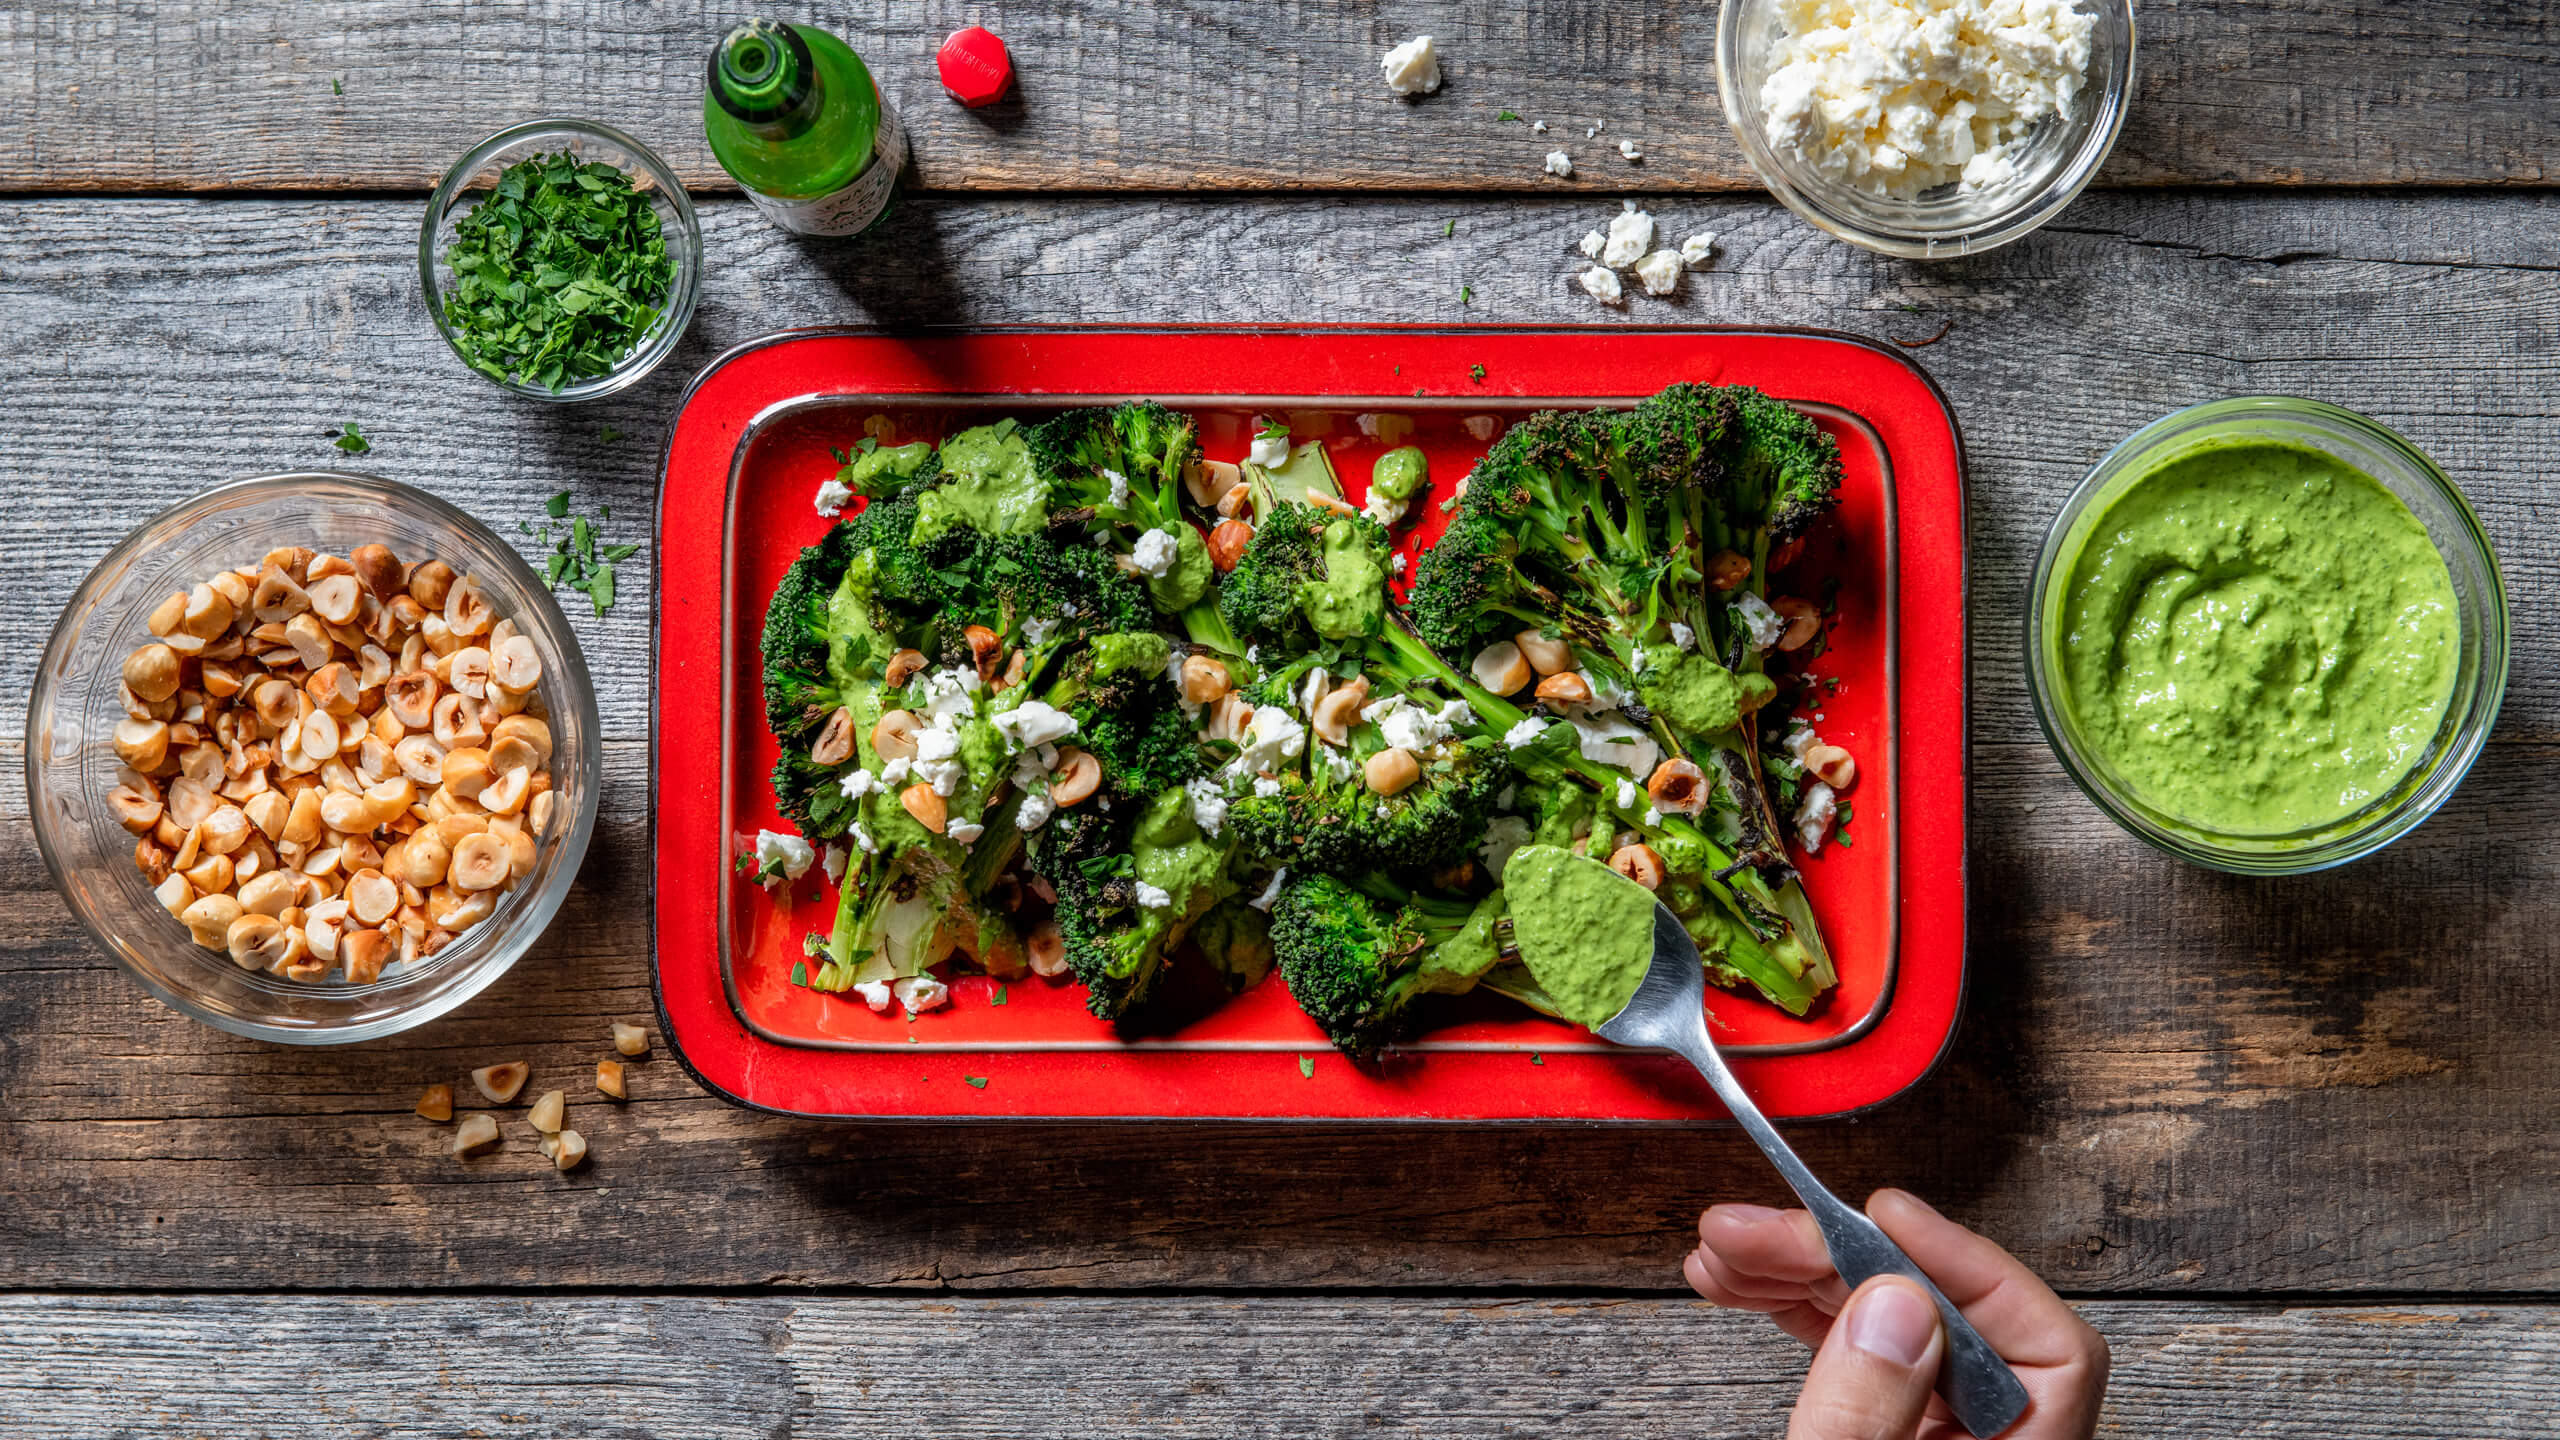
(1962, 668)
(793, 407)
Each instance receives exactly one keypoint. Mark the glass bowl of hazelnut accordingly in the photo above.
(314, 756)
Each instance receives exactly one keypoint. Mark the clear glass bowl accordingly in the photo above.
(2059, 160)
(471, 178)
(71, 764)
(2480, 676)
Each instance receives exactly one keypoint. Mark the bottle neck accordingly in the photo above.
(762, 74)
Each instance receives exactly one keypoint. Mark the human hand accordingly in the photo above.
(1876, 1351)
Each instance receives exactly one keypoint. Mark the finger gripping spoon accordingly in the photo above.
(1668, 1012)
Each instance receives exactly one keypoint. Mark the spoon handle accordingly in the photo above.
(1978, 1385)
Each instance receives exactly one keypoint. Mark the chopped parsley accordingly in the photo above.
(800, 973)
(348, 438)
(337, 87)
(1476, 373)
(576, 560)
(1467, 296)
(1537, 1059)
(557, 275)
(975, 1082)
(998, 997)
(608, 434)
(1306, 1067)
(1510, 116)
(1449, 229)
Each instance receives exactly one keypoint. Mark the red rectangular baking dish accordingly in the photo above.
(761, 427)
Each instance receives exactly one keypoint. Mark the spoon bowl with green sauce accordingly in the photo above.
(2269, 635)
(1614, 959)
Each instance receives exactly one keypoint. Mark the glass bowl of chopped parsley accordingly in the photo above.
(561, 259)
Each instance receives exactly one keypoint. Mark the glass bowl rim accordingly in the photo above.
(686, 250)
(2034, 207)
(537, 911)
(2382, 825)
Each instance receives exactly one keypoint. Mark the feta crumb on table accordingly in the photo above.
(1412, 68)
(1628, 149)
(1601, 284)
(1698, 248)
(1630, 236)
(1660, 272)
(1593, 242)
(1559, 163)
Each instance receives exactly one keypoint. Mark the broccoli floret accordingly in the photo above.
(1124, 467)
(1106, 870)
(1308, 573)
(1783, 471)
(1332, 822)
(1357, 956)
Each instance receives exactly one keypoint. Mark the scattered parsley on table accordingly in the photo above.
(1476, 373)
(976, 1082)
(557, 274)
(348, 438)
(998, 998)
(576, 560)
(1306, 1067)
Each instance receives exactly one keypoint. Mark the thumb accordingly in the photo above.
(1871, 1379)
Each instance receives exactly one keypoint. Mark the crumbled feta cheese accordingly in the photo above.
(947, 694)
(1612, 739)
(1799, 740)
(1270, 892)
(1503, 834)
(945, 777)
(1683, 636)
(1537, 127)
(1529, 728)
(1602, 285)
(1483, 427)
(1033, 812)
(1660, 272)
(965, 831)
(920, 993)
(896, 772)
(1038, 631)
(1559, 163)
(1630, 235)
(1273, 735)
(789, 854)
(832, 860)
(1154, 897)
(1628, 149)
(832, 497)
(1265, 786)
(1606, 692)
(1894, 98)
(1404, 723)
(1698, 248)
(1383, 508)
(1396, 563)
(1627, 793)
(874, 993)
(1253, 654)
(1412, 68)
(939, 743)
(1154, 553)
(1652, 815)
(1119, 496)
(1034, 723)
(861, 838)
(1815, 813)
(1763, 624)
(1311, 689)
(1270, 447)
(1208, 806)
(859, 784)
(1337, 766)
(1593, 242)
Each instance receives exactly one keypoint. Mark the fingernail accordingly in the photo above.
(1750, 1214)
(1893, 1322)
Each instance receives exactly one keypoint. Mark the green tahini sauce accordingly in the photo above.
(1584, 930)
(2257, 637)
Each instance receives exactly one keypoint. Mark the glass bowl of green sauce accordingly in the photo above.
(2269, 635)
(561, 259)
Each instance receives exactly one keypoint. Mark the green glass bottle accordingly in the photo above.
(794, 116)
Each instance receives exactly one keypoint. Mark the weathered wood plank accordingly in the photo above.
(1124, 94)
(2170, 1079)
(77, 1367)
(159, 345)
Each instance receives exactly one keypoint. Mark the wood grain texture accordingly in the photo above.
(2170, 1080)
(1207, 94)
(635, 1368)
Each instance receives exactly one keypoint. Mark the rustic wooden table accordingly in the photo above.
(2289, 1143)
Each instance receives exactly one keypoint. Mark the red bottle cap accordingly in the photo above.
(975, 66)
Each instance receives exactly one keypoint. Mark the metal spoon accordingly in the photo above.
(1669, 1013)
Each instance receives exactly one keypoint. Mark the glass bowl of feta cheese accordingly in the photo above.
(1926, 129)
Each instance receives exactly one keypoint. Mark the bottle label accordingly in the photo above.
(851, 210)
